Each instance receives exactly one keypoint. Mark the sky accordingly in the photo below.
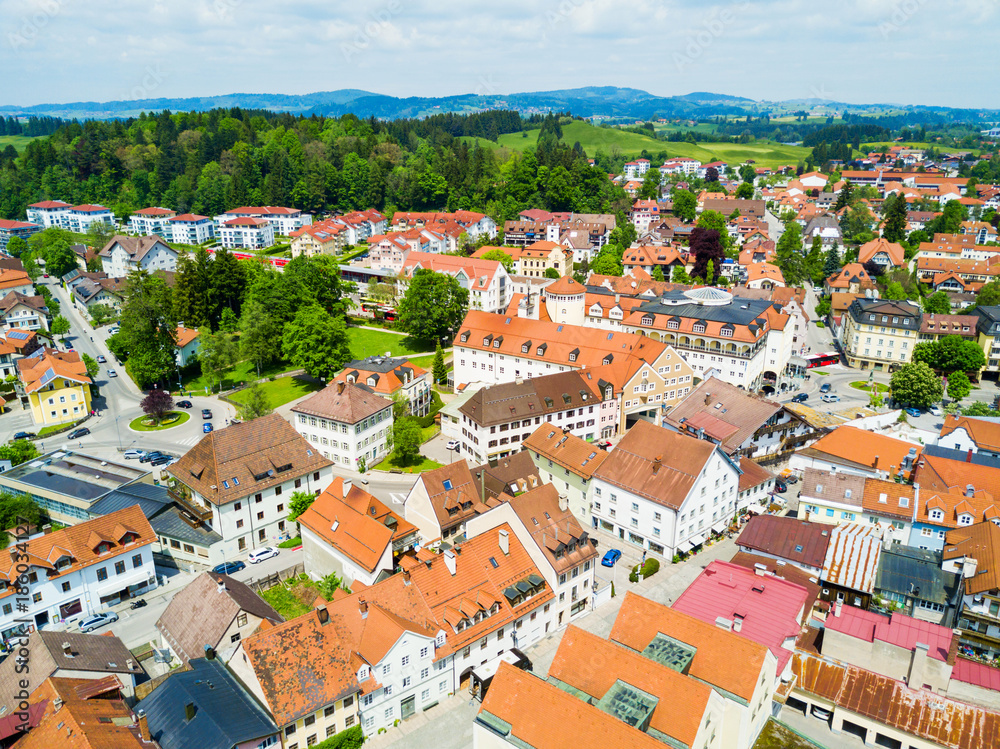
(935, 52)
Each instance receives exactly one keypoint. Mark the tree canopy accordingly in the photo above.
(915, 384)
(317, 342)
(433, 307)
(950, 354)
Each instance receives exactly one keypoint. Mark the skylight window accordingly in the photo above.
(798, 548)
(447, 484)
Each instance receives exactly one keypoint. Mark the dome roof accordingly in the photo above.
(565, 285)
(709, 296)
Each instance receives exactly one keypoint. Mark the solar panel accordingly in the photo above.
(20, 335)
(50, 374)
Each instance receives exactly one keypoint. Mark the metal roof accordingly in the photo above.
(169, 523)
(150, 498)
(852, 557)
(916, 573)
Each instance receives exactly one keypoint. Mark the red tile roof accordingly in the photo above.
(899, 630)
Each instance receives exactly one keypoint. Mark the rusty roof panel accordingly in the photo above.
(852, 556)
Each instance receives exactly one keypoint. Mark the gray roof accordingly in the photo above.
(225, 713)
(979, 459)
(904, 570)
(171, 524)
(741, 311)
(383, 364)
(150, 498)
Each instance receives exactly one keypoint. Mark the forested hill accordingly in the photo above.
(207, 162)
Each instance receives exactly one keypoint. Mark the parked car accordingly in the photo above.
(151, 456)
(780, 486)
(800, 398)
(134, 453)
(790, 479)
(113, 330)
(24, 436)
(935, 410)
(825, 387)
(259, 555)
(228, 568)
(162, 460)
(610, 557)
(185, 404)
(90, 623)
(112, 373)
(830, 398)
(207, 427)
(206, 413)
(78, 433)
(912, 411)
(454, 444)
(101, 359)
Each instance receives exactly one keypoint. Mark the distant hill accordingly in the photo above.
(607, 101)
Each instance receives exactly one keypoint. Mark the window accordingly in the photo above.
(102, 574)
(119, 568)
(241, 620)
(234, 637)
(65, 587)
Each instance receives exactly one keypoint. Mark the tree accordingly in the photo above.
(157, 404)
(30, 266)
(894, 229)
(608, 262)
(439, 371)
(679, 275)
(856, 224)
(958, 385)
(298, 503)
(551, 273)
(707, 248)
(99, 234)
(260, 335)
(328, 586)
(59, 259)
(92, 366)
(744, 191)
(147, 329)
(101, 314)
(19, 451)
(938, 303)
(433, 307)
(317, 342)
(989, 295)
(17, 510)
(217, 352)
(715, 220)
(254, 403)
(657, 273)
(711, 174)
(978, 409)
(650, 188)
(685, 204)
(228, 322)
(500, 256)
(950, 354)
(814, 262)
(16, 246)
(832, 264)
(916, 384)
(406, 436)
(895, 291)
(788, 254)
(748, 174)
(60, 327)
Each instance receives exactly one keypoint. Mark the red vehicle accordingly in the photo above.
(822, 360)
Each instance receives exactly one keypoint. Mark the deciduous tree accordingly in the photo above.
(406, 436)
(433, 307)
(254, 403)
(317, 342)
(938, 303)
(915, 384)
(958, 385)
(157, 404)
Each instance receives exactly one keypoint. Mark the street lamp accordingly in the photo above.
(119, 431)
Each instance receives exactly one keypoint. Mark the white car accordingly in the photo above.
(935, 410)
(133, 453)
(112, 373)
(454, 444)
(261, 554)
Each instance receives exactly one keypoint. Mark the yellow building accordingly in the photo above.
(880, 334)
(56, 385)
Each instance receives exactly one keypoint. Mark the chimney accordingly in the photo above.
(837, 607)
(449, 561)
(968, 456)
(130, 664)
(918, 666)
(956, 636)
(323, 614)
(143, 722)
(563, 502)
(57, 704)
(723, 623)
(220, 587)
(875, 462)
(340, 388)
(737, 623)
(657, 462)
(67, 650)
(363, 607)
(189, 711)
(970, 490)
(406, 577)
(505, 542)
(348, 483)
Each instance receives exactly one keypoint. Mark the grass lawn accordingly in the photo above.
(774, 735)
(173, 419)
(55, 428)
(426, 361)
(283, 390)
(390, 464)
(18, 141)
(243, 372)
(291, 543)
(864, 385)
(371, 342)
(292, 601)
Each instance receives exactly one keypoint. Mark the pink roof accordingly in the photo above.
(50, 204)
(536, 214)
(88, 208)
(262, 210)
(979, 674)
(246, 221)
(771, 607)
(153, 212)
(189, 217)
(899, 630)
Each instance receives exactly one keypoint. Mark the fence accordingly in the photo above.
(276, 578)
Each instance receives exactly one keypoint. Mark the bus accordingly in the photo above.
(822, 360)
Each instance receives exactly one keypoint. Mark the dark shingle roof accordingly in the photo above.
(797, 541)
(904, 569)
(150, 498)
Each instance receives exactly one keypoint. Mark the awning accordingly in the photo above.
(756, 509)
(488, 670)
(721, 525)
(692, 542)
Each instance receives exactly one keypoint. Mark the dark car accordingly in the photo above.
(25, 436)
(228, 568)
(825, 387)
(78, 433)
(101, 359)
(207, 427)
(185, 404)
(780, 486)
(149, 457)
(612, 556)
(800, 398)
(604, 444)
(206, 413)
(161, 460)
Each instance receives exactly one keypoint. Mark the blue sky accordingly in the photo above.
(860, 51)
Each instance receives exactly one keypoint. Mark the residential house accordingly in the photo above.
(190, 228)
(187, 344)
(953, 494)
(23, 312)
(636, 169)
(21, 229)
(852, 278)
(79, 218)
(206, 705)
(756, 484)
(913, 581)
(246, 233)
(851, 564)
(559, 545)
(56, 386)
(680, 165)
(854, 450)
(324, 238)
(76, 571)
(346, 423)
(658, 487)
(988, 335)
(283, 221)
(14, 345)
(762, 608)
(358, 226)
(888, 255)
(568, 462)
(890, 507)
(827, 228)
(881, 334)
(791, 541)
(123, 255)
(964, 433)
(471, 223)
(542, 256)
(764, 276)
(390, 377)
(831, 497)
(983, 231)
(13, 281)
(48, 213)
(88, 293)
(974, 553)
(347, 532)
(442, 500)
(212, 611)
(63, 655)
(154, 220)
(237, 481)
(486, 281)
(934, 327)
(739, 669)
(644, 212)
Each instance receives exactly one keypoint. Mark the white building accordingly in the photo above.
(347, 424)
(151, 221)
(80, 217)
(487, 281)
(48, 213)
(246, 233)
(282, 220)
(74, 572)
(123, 255)
(190, 228)
(238, 480)
(663, 491)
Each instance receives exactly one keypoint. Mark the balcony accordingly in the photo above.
(181, 494)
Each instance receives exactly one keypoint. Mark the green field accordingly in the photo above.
(281, 391)
(18, 141)
(366, 342)
(594, 139)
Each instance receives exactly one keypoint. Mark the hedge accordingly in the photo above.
(351, 738)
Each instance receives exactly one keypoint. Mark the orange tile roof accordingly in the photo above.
(44, 365)
(10, 278)
(543, 715)
(723, 659)
(183, 336)
(986, 434)
(861, 447)
(893, 250)
(954, 477)
(889, 499)
(982, 543)
(682, 703)
(554, 530)
(565, 448)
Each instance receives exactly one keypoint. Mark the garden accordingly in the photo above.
(150, 423)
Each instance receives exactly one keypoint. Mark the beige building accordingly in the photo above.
(541, 256)
(880, 334)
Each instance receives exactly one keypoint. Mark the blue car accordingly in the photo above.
(206, 427)
(912, 411)
(612, 556)
(228, 568)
